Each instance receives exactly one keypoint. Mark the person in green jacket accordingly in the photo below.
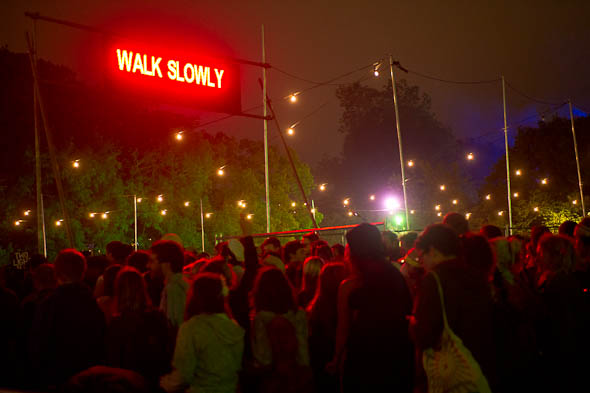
(210, 345)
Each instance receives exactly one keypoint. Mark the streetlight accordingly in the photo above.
(179, 135)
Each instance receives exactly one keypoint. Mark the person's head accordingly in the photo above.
(457, 222)
(95, 267)
(44, 277)
(273, 292)
(118, 251)
(478, 253)
(218, 265)
(408, 239)
(207, 295)
(567, 228)
(293, 251)
(273, 259)
(139, 260)
(130, 291)
(326, 296)
(36, 260)
(271, 244)
(536, 233)
(490, 232)
(311, 271)
(167, 258)
(102, 379)
(390, 242)
(321, 248)
(438, 243)
(307, 240)
(338, 252)
(70, 266)
(582, 241)
(365, 248)
(110, 274)
(555, 254)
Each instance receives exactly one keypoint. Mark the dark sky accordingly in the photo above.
(542, 47)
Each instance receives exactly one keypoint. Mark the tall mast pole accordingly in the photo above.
(264, 112)
(507, 159)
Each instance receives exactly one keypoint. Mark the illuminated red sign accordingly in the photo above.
(201, 84)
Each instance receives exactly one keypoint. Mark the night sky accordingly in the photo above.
(541, 47)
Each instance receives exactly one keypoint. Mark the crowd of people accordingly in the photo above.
(381, 314)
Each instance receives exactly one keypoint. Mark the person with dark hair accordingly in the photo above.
(107, 301)
(44, 283)
(407, 241)
(467, 299)
(95, 267)
(323, 316)
(67, 335)
(490, 232)
(567, 228)
(101, 379)
(279, 333)
(374, 303)
(307, 240)
(139, 260)
(478, 254)
(321, 249)
(209, 347)
(311, 271)
(338, 252)
(137, 335)
(391, 244)
(293, 256)
(10, 335)
(457, 222)
(218, 265)
(167, 260)
(271, 244)
(116, 253)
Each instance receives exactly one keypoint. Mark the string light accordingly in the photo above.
(467, 216)
(442, 187)
(412, 211)
(139, 200)
(27, 212)
(160, 198)
(376, 69)
(293, 204)
(242, 203)
(350, 213)
(220, 171)
(313, 210)
(515, 195)
(249, 216)
(488, 197)
(179, 135)
(536, 209)
(293, 97)
(372, 197)
(544, 181)
(18, 222)
(323, 187)
(208, 215)
(455, 201)
(501, 213)
(439, 214)
(346, 202)
(163, 212)
(76, 163)
(104, 215)
(187, 204)
(411, 163)
(58, 222)
(518, 172)
(290, 131)
(91, 215)
(437, 207)
(575, 202)
(470, 156)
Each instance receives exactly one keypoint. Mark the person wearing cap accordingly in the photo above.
(373, 348)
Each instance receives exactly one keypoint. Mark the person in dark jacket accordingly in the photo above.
(372, 339)
(467, 297)
(137, 336)
(67, 335)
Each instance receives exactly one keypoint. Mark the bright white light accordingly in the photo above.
(470, 156)
(350, 214)
(411, 163)
(91, 215)
(516, 194)
(290, 131)
(437, 207)
(208, 215)
(27, 212)
(179, 136)
(346, 202)
(442, 187)
(163, 212)
(104, 216)
(376, 73)
(392, 203)
(372, 197)
(536, 209)
(544, 181)
(76, 164)
(249, 216)
(518, 172)
(293, 204)
(501, 213)
(187, 203)
(160, 198)
(293, 97)
(455, 201)
(323, 187)
(488, 197)
(467, 216)
(139, 200)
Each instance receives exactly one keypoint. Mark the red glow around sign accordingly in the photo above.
(189, 80)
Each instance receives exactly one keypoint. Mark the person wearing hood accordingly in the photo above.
(210, 345)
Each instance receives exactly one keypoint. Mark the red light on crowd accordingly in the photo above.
(203, 75)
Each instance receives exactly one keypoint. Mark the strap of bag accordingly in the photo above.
(442, 299)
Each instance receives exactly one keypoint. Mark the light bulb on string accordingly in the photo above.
(442, 187)
(179, 135)
(293, 97)
(501, 213)
(411, 163)
(160, 198)
(455, 201)
(488, 197)
(220, 171)
(208, 215)
(467, 216)
(163, 212)
(516, 194)
(372, 197)
(323, 187)
(91, 215)
(346, 202)
(76, 164)
(249, 216)
(104, 215)
(518, 172)
(536, 209)
(437, 207)
(544, 181)
(290, 131)
(187, 204)
(470, 156)
(293, 204)
(27, 212)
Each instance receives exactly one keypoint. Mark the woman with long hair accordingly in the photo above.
(210, 344)
(323, 316)
(137, 335)
(279, 334)
(311, 271)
